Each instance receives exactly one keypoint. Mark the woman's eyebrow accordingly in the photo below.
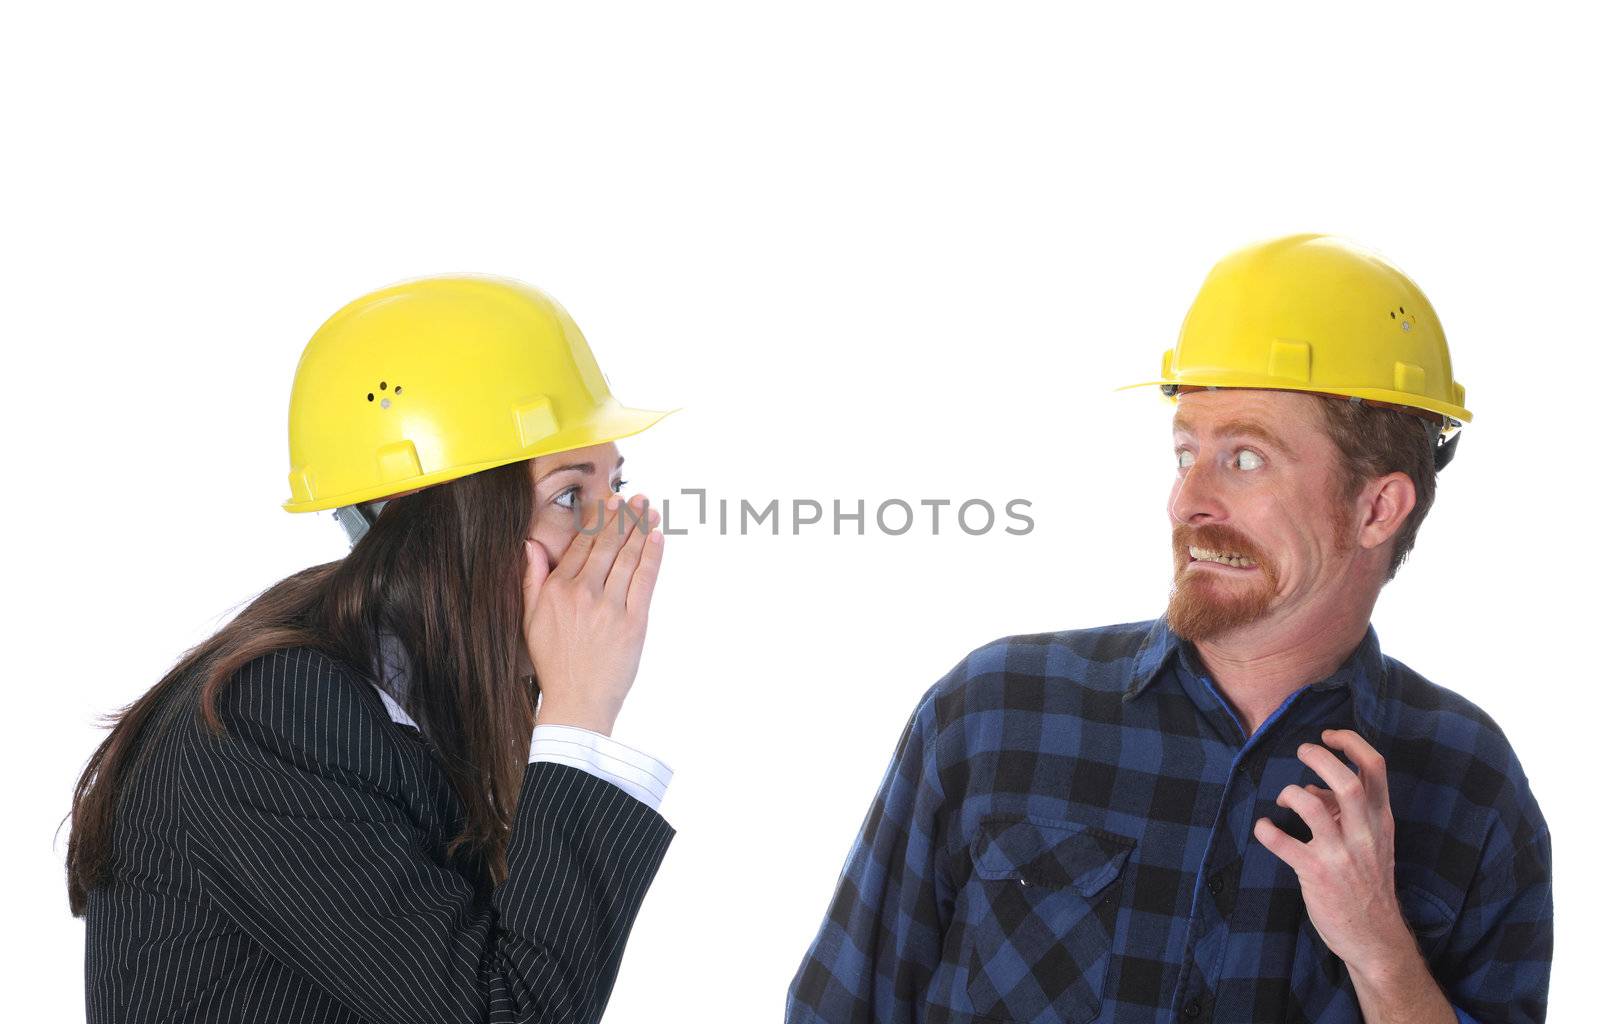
(578, 467)
(574, 467)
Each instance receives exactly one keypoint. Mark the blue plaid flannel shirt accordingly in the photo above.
(1064, 835)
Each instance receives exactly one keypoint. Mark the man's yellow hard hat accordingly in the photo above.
(1321, 314)
(431, 379)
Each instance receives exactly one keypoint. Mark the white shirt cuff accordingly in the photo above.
(636, 772)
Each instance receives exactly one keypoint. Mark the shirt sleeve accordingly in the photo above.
(635, 772)
(298, 826)
(880, 942)
(1497, 966)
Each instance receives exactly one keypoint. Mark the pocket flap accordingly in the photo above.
(1428, 915)
(1058, 854)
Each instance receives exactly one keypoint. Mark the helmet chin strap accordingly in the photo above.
(1445, 451)
(358, 519)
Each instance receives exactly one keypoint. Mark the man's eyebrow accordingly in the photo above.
(1237, 428)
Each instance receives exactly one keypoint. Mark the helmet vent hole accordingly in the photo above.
(384, 403)
(369, 396)
(384, 385)
(397, 389)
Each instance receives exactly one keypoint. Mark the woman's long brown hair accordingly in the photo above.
(443, 569)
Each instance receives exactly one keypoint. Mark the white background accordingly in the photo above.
(874, 251)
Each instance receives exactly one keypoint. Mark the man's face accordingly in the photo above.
(1256, 477)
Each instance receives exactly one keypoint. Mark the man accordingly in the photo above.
(1242, 810)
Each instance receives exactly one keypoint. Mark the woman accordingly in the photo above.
(386, 790)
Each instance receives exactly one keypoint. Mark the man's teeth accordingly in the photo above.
(1225, 557)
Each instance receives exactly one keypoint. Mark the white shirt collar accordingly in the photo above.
(393, 666)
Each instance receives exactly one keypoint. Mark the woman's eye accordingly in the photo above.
(1249, 459)
(619, 485)
(567, 497)
(1185, 459)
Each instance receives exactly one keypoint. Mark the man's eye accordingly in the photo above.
(1249, 459)
(1185, 459)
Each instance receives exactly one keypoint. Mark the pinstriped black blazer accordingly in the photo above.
(293, 870)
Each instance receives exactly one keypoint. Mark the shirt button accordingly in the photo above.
(1193, 1009)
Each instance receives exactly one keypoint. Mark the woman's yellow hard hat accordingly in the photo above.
(1315, 313)
(432, 379)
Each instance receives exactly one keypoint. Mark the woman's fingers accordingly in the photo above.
(535, 572)
(617, 526)
(584, 634)
(644, 577)
(577, 552)
(621, 575)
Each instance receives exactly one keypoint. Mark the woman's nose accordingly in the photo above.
(598, 513)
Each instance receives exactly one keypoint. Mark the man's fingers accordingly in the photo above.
(1312, 810)
(1284, 846)
(1329, 801)
(1374, 772)
(1346, 786)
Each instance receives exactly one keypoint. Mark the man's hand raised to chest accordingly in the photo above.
(1346, 875)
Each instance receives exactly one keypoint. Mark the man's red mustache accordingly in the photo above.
(1215, 540)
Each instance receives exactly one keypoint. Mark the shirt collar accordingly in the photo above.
(392, 666)
(1364, 672)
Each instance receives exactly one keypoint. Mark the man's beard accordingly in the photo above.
(1200, 607)
(1205, 603)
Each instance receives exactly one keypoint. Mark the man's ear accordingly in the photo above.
(1386, 502)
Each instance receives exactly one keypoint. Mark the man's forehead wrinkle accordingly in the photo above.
(1236, 426)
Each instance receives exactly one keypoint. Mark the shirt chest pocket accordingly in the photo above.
(1040, 912)
(1429, 917)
